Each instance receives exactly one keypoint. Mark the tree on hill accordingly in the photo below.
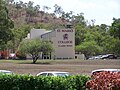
(58, 10)
(79, 19)
(115, 28)
(46, 8)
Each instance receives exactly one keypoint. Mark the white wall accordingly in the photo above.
(36, 33)
(64, 48)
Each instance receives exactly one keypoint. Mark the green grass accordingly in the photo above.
(25, 61)
(71, 65)
(39, 61)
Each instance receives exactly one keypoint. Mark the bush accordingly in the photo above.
(104, 81)
(21, 56)
(28, 82)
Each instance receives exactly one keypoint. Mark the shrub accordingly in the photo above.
(20, 56)
(28, 82)
(104, 81)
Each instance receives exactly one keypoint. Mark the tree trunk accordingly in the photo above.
(34, 61)
(35, 57)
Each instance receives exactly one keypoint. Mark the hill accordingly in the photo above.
(25, 13)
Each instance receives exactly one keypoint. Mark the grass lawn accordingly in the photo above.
(72, 66)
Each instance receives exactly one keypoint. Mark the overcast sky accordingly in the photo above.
(102, 11)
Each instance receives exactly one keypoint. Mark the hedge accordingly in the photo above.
(29, 82)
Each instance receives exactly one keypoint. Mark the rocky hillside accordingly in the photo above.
(23, 14)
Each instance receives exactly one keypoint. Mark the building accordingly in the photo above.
(63, 41)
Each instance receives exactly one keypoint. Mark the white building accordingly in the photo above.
(63, 41)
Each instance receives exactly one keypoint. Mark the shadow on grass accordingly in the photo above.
(31, 62)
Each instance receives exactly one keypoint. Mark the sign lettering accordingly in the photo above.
(64, 30)
(64, 42)
(64, 45)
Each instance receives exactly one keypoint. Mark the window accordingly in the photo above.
(43, 74)
(50, 74)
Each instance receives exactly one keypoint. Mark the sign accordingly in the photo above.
(65, 30)
(65, 37)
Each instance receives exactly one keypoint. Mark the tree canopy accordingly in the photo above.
(34, 47)
(88, 48)
(97, 39)
(102, 38)
(115, 28)
(5, 25)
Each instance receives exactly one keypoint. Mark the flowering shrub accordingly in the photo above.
(104, 81)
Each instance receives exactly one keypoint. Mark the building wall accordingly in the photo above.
(63, 41)
(36, 33)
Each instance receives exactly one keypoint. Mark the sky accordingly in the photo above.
(102, 11)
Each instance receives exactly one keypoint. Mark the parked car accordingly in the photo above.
(95, 57)
(5, 72)
(53, 73)
(12, 56)
(102, 70)
(109, 56)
